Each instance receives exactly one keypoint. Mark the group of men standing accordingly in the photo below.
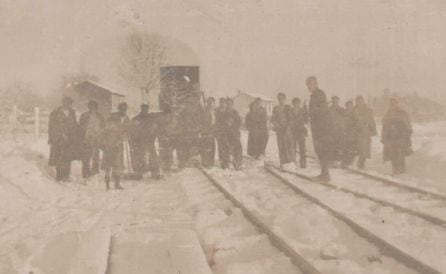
(189, 131)
(70, 140)
(338, 133)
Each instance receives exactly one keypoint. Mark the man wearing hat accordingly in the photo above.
(90, 123)
(62, 133)
(112, 140)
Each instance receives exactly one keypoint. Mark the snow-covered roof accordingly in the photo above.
(255, 95)
(108, 89)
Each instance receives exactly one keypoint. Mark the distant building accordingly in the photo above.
(83, 92)
(243, 99)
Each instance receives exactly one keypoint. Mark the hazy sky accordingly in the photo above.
(263, 46)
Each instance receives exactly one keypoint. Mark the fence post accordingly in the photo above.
(37, 122)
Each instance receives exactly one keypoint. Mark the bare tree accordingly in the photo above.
(143, 55)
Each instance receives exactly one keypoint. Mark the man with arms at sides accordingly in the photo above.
(396, 137)
(281, 120)
(207, 146)
(299, 119)
(349, 136)
(321, 127)
(256, 123)
(112, 140)
(338, 114)
(366, 128)
(91, 123)
(62, 135)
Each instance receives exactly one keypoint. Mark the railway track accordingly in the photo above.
(391, 182)
(423, 203)
(391, 258)
(406, 205)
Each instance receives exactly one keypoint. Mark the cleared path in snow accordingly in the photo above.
(315, 236)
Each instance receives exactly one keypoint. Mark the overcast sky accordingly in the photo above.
(262, 46)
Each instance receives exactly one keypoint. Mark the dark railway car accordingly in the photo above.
(178, 83)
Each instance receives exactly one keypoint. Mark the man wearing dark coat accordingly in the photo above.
(142, 143)
(228, 127)
(112, 140)
(337, 113)
(281, 120)
(190, 122)
(396, 137)
(62, 137)
(207, 140)
(321, 127)
(299, 119)
(169, 133)
(90, 124)
(366, 128)
(256, 122)
(349, 136)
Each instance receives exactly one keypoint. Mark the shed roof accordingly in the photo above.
(254, 95)
(98, 86)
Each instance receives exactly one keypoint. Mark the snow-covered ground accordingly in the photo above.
(425, 167)
(46, 225)
(42, 220)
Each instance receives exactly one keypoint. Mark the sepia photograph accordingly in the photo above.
(223, 137)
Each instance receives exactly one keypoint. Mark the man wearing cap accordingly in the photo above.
(142, 143)
(299, 119)
(112, 140)
(256, 122)
(190, 122)
(90, 123)
(366, 128)
(228, 126)
(338, 116)
(207, 140)
(62, 135)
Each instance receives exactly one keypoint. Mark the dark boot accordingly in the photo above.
(361, 163)
(107, 182)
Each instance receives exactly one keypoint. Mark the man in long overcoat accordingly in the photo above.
(90, 124)
(207, 140)
(256, 122)
(299, 119)
(63, 135)
(338, 116)
(281, 121)
(366, 128)
(396, 137)
(321, 127)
